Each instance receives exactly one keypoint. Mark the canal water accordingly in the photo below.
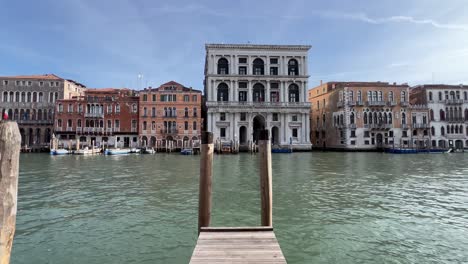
(328, 207)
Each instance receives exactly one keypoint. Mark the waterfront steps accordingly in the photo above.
(237, 245)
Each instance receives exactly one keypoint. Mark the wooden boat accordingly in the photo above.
(281, 150)
(148, 151)
(401, 150)
(59, 152)
(87, 151)
(117, 151)
(186, 151)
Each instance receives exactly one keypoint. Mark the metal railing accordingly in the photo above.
(169, 131)
(375, 103)
(420, 125)
(97, 115)
(453, 101)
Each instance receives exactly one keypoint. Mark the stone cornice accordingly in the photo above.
(258, 47)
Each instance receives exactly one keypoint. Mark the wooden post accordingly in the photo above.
(206, 171)
(266, 190)
(10, 143)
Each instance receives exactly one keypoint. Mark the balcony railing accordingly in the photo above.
(69, 129)
(172, 116)
(35, 122)
(58, 129)
(420, 125)
(169, 131)
(258, 104)
(456, 120)
(79, 130)
(376, 103)
(378, 126)
(391, 103)
(134, 129)
(360, 103)
(95, 115)
(339, 104)
(453, 101)
(351, 103)
(404, 103)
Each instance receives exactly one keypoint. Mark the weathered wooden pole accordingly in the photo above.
(10, 144)
(206, 172)
(266, 190)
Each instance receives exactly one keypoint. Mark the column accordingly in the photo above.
(285, 124)
(235, 69)
(249, 93)
(213, 64)
(281, 68)
(235, 92)
(232, 65)
(305, 92)
(214, 91)
(301, 92)
(233, 125)
(267, 96)
(307, 128)
(231, 91)
(303, 131)
(306, 66)
(267, 70)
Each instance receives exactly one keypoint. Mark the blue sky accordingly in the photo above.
(107, 43)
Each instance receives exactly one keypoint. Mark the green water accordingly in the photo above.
(328, 207)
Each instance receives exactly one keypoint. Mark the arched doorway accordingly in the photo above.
(242, 135)
(153, 142)
(144, 141)
(258, 124)
(459, 144)
(275, 135)
(379, 140)
(185, 142)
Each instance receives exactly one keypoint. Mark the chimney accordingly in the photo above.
(321, 82)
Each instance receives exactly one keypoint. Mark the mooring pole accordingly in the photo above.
(206, 172)
(266, 190)
(10, 143)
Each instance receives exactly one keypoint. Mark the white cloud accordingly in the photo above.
(392, 19)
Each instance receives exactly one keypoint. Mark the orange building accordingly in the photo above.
(170, 116)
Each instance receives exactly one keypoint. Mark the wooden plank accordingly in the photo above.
(206, 172)
(228, 245)
(10, 144)
(237, 229)
(266, 189)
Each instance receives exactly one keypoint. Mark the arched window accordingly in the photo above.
(41, 97)
(22, 116)
(39, 114)
(370, 118)
(194, 127)
(374, 96)
(258, 92)
(23, 97)
(145, 125)
(186, 112)
(223, 66)
(34, 97)
(442, 115)
(403, 118)
(390, 120)
(341, 119)
(431, 114)
(390, 96)
(293, 93)
(440, 96)
(5, 97)
(442, 131)
(186, 125)
(433, 131)
(385, 120)
(174, 112)
(29, 97)
(365, 118)
(293, 67)
(223, 92)
(380, 120)
(258, 67)
(165, 111)
(351, 118)
(359, 96)
(466, 114)
(78, 123)
(380, 99)
(17, 97)
(452, 95)
(403, 96)
(375, 118)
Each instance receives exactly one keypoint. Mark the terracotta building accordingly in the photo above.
(30, 101)
(360, 115)
(106, 116)
(170, 115)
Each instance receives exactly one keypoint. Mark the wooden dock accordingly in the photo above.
(236, 244)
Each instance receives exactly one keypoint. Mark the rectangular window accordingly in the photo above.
(294, 132)
(353, 133)
(154, 98)
(242, 85)
(273, 70)
(274, 85)
(70, 108)
(186, 98)
(153, 112)
(163, 98)
(222, 132)
(60, 108)
(194, 98)
(242, 70)
(275, 117)
(390, 133)
(294, 118)
(109, 109)
(405, 133)
(353, 142)
(5, 82)
(222, 116)
(366, 134)
(117, 108)
(243, 116)
(242, 60)
(366, 142)
(117, 123)
(195, 112)
(243, 96)
(274, 61)
(274, 96)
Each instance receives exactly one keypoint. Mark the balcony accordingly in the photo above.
(375, 103)
(378, 126)
(134, 129)
(360, 103)
(244, 104)
(404, 126)
(339, 104)
(456, 120)
(453, 101)
(69, 129)
(79, 130)
(172, 116)
(391, 103)
(404, 103)
(351, 103)
(58, 129)
(169, 131)
(35, 122)
(94, 115)
(421, 126)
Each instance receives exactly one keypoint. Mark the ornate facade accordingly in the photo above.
(253, 87)
(170, 113)
(30, 101)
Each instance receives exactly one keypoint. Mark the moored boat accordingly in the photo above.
(186, 151)
(401, 150)
(117, 151)
(87, 151)
(59, 152)
(148, 151)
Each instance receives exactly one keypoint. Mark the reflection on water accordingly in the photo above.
(328, 207)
